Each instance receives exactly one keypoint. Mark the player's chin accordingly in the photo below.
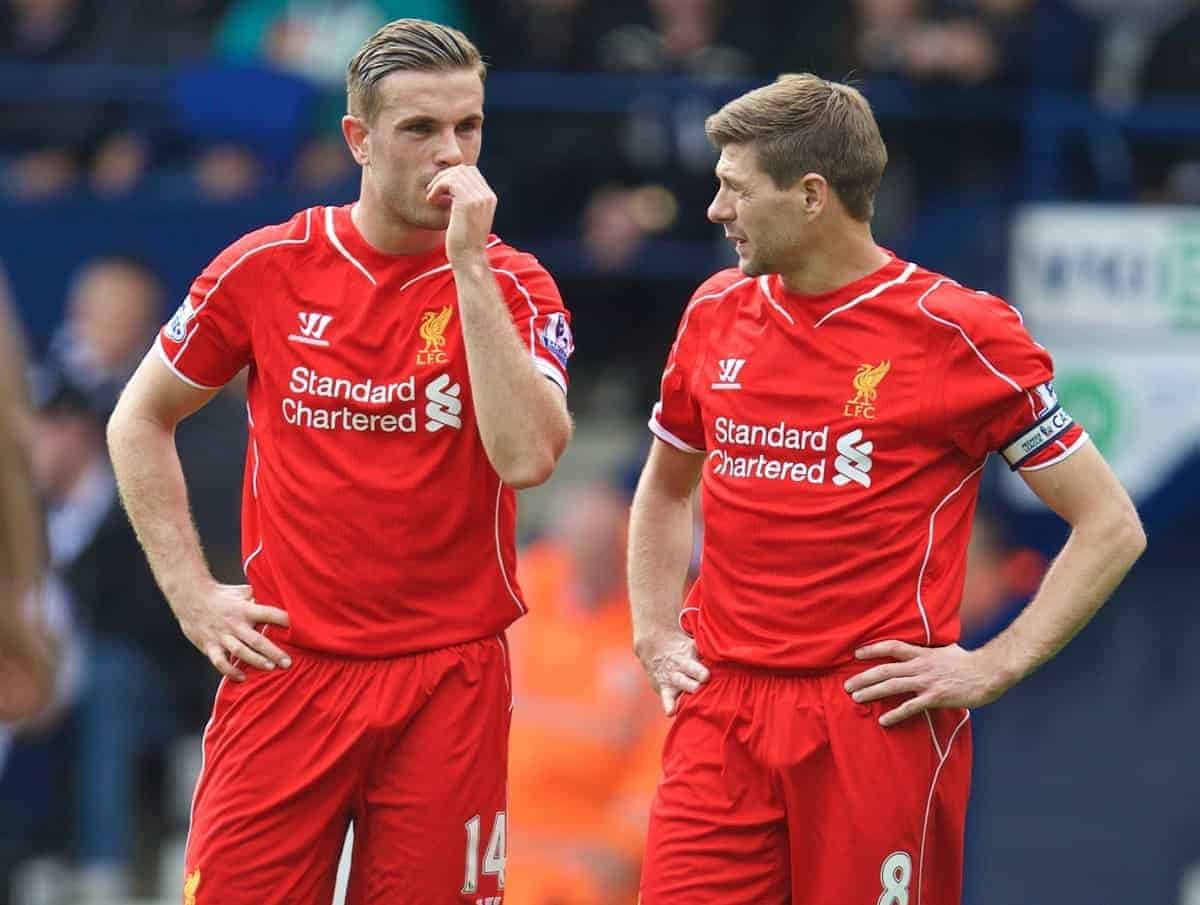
(750, 267)
(430, 217)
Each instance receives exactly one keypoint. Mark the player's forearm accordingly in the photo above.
(660, 551)
(524, 427)
(1092, 564)
(150, 479)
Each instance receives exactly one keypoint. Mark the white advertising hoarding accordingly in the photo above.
(1114, 293)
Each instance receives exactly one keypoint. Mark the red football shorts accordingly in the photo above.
(780, 790)
(413, 750)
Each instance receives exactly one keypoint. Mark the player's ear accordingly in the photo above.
(357, 138)
(815, 193)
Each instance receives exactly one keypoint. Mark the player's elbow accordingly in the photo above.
(1131, 533)
(1124, 534)
(531, 470)
(117, 427)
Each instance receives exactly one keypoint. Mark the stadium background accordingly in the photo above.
(1047, 151)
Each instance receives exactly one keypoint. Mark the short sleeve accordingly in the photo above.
(997, 385)
(207, 341)
(541, 318)
(677, 418)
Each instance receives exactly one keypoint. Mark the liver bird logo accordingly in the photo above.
(433, 331)
(190, 885)
(866, 380)
(433, 328)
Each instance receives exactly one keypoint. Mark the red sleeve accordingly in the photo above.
(537, 309)
(677, 418)
(208, 340)
(997, 383)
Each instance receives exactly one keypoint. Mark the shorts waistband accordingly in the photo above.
(746, 669)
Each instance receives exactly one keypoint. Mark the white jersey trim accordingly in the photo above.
(551, 372)
(231, 268)
(942, 758)
(870, 294)
(500, 552)
(1065, 454)
(532, 307)
(764, 283)
(687, 316)
(442, 268)
(963, 333)
(507, 669)
(162, 353)
(929, 548)
(665, 435)
(337, 243)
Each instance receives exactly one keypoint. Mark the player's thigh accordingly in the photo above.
(885, 825)
(273, 799)
(432, 826)
(716, 830)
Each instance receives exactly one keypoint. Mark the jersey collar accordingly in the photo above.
(820, 308)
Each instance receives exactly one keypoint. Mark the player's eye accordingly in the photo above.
(418, 128)
(468, 128)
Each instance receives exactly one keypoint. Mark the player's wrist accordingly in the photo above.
(186, 594)
(649, 638)
(1003, 666)
(470, 262)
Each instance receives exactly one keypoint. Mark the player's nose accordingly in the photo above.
(718, 212)
(449, 152)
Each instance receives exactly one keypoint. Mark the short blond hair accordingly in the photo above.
(802, 123)
(406, 45)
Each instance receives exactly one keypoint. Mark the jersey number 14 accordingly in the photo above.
(493, 857)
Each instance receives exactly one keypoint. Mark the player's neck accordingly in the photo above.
(838, 262)
(389, 237)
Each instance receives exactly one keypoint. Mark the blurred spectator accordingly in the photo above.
(166, 32)
(587, 731)
(142, 681)
(1169, 171)
(683, 36)
(534, 35)
(114, 305)
(1128, 34)
(50, 145)
(967, 41)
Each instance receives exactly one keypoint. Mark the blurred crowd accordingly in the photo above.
(253, 94)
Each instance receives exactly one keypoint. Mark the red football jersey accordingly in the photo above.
(844, 437)
(370, 511)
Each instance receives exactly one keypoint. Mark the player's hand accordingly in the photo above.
(932, 676)
(220, 621)
(670, 661)
(472, 207)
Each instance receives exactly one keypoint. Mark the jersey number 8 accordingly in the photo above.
(895, 876)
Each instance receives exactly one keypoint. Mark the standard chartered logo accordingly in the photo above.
(854, 459)
(326, 402)
(444, 406)
(789, 453)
